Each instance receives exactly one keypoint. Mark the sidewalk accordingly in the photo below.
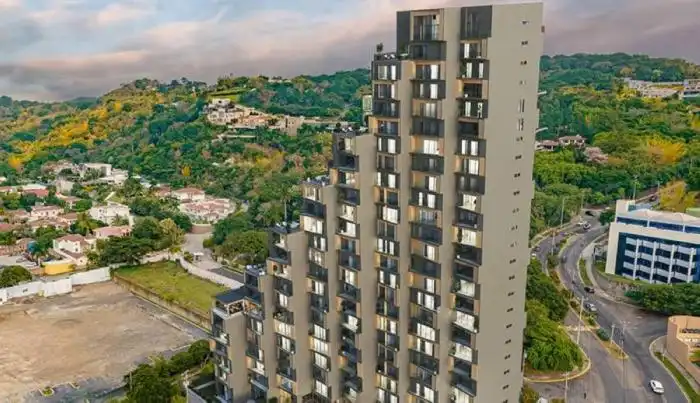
(587, 256)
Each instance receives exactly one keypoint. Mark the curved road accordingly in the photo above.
(640, 329)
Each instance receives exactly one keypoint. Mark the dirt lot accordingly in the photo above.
(91, 337)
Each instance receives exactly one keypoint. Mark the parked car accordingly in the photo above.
(590, 307)
(589, 289)
(656, 387)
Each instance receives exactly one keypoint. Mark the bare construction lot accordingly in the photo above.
(91, 337)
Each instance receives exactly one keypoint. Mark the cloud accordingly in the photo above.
(122, 12)
(271, 37)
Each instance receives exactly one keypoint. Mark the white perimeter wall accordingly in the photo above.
(48, 287)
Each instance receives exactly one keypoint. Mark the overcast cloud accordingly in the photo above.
(60, 49)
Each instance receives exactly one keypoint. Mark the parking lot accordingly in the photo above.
(91, 338)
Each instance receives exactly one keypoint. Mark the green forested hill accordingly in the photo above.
(156, 129)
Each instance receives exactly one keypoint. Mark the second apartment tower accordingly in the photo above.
(405, 279)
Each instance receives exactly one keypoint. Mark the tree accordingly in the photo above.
(172, 235)
(114, 250)
(148, 228)
(84, 225)
(10, 276)
(247, 247)
(147, 384)
(678, 299)
(82, 205)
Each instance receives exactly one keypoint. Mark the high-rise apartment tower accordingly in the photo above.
(404, 280)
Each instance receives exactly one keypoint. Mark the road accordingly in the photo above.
(640, 328)
(194, 244)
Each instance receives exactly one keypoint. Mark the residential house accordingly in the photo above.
(546, 145)
(188, 194)
(162, 191)
(208, 211)
(44, 212)
(17, 216)
(69, 218)
(575, 141)
(69, 200)
(20, 247)
(104, 169)
(108, 232)
(56, 222)
(7, 227)
(109, 213)
(74, 248)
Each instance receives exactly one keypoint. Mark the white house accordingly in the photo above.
(188, 195)
(74, 248)
(109, 213)
(44, 212)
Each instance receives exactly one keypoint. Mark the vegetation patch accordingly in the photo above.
(47, 391)
(677, 299)
(610, 345)
(684, 383)
(172, 283)
(584, 273)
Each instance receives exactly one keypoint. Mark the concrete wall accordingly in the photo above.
(51, 287)
(197, 318)
(207, 275)
(681, 350)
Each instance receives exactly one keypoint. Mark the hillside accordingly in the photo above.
(156, 129)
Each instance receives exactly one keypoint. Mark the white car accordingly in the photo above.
(656, 387)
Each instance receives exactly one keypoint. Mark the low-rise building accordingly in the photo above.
(69, 200)
(208, 211)
(110, 213)
(108, 232)
(20, 246)
(44, 212)
(546, 145)
(74, 248)
(691, 88)
(653, 246)
(573, 141)
(683, 340)
(188, 195)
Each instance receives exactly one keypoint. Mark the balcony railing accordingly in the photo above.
(464, 288)
(421, 265)
(468, 254)
(426, 232)
(428, 164)
(462, 352)
(349, 292)
(426, 32)
(465, 321)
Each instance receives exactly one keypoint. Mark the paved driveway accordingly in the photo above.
(194, 244)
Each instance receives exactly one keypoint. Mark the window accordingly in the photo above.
(321, 388)
(508, 341)
(426, 300)
(318, 287)
(312, 225)
(424, 346)
(386, 145)
(349, 277)
(473, 168)
(469, 202)
(320, 346)
(388, 279)
(524, 43)
(320, 332)
(516, 175)
(469, 147)
(430, 252)
(427, 200)
(512, 261)
(517, 157)
(523, 82)
(386, 72)
(384, 246)
(430, 183)
(431, 147)
(390, 214)
(388, 383)
(430, 285)
(521, 124)
(429, 109)
(521, 106)
(510, 294)
(507, 357)
(283, 300)
(425, 332)
(387, 325)
(526, 22)
(509, 310)
(466, 237)
(511, 277)
(285, 343)
(283, 328)
(519, 138)
(321, 361)
(517, 192)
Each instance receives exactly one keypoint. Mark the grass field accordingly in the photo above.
(174, 284)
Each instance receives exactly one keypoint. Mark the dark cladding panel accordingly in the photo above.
(403, 30)
(476, 22)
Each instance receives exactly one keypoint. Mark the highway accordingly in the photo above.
(624, 381)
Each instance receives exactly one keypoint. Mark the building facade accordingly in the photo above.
(653, 246)
(404, 280)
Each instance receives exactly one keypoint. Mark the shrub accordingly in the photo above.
(603, 335)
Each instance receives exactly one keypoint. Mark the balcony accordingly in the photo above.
(473, 50)
(349, 196)
(464, 272)
(317, 272)
(349, 292)
(349, 260)
(258, 380)
(464, 384)
(426, 232)
(476, 22)
(464, 288)
(426, 32)
(347, 229)
(470, 109)
(219, 334)
(428, 164)
(280, 255)
(468, 254)
(462, 352)
(351, 323)
(425, 199)
(427, 51)
(427, 91)
(466, 321)
(284, 315)
(423, 316)
(468, 219)
(473, 184)
(424, 361)
(386, 109)
(346, 161)
(468, 129)
(388, 369)
(424, 266)
(388, 340)
(313, 209)
(388, 198)
(319, 304)
(473, 91)
(386, 308)
(283, 286)
(474, 71)
(464, 304)
(425, 126)
(351, 353)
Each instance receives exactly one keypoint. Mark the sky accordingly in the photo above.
(61, 49)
